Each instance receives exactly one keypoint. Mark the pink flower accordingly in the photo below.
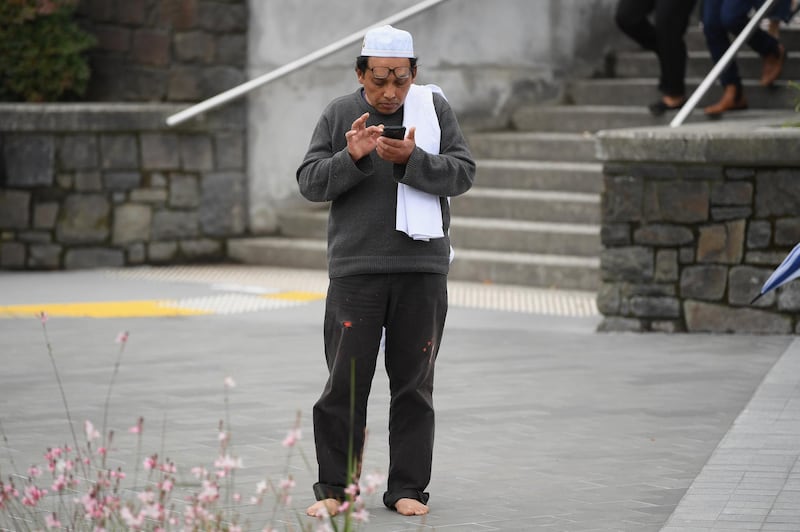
(32, 495)
(91, 433)
(292, 437)
(372, 483)
(287, 484)
(150, 462)
(122, 337)
(134, 522)
(43, 316)
(137, 429)
(52, 522)
(228, 462)
(34, 472)
(59, 483)
(261, 487)
(199, 472)
(344, 506)
(229, 382)
(351, 490)
(361, 516)
(210, 492)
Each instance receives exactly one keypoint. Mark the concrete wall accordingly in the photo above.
(695, 219)
(487, 55)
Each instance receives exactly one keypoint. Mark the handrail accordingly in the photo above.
(712, 76)
(240, 90)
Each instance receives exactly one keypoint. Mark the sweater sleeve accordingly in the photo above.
(451, 172)
(327, 170)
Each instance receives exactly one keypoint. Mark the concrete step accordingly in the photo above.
(531, 205)
(528, 237)
(529, 269)
(645, 65)
(593, 118)
(555, 271)
(540, 175)
(543, 146)
(478, 233)
(642, 91)
(789, 36)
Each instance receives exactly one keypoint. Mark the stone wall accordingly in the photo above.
(165, 50)
(106, 185)
(694, 220)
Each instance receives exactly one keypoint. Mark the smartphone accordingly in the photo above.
(394, 132)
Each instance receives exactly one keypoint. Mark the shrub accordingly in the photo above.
(41, 51)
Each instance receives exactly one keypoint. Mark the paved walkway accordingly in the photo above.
(542, 424)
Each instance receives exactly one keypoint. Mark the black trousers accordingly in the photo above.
(412, 307)
(664, 36)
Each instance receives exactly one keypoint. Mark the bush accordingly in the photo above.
(41, 51)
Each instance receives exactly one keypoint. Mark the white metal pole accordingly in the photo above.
(690, 104)
(244, 88)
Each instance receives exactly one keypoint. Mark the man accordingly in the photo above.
(380, 277)
(665, 37)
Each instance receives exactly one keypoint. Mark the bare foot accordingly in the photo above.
(410, 507)
(331, 506)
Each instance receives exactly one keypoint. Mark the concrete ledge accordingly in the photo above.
(723, 141)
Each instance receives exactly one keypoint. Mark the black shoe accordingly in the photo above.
(660, 107)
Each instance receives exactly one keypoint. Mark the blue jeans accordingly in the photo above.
(724, 17)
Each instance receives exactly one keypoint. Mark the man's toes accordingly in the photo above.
(410, 507)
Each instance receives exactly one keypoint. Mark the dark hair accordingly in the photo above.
(363, 60)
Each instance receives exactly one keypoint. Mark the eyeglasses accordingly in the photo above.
(383, 72)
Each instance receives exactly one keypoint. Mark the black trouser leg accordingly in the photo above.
(671, 19)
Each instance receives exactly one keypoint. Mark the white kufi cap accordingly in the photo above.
(387, 41)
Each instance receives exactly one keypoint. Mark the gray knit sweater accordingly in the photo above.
(361, 225)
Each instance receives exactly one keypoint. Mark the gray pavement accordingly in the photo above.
(542, 423)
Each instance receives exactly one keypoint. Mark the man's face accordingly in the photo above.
(386, 95)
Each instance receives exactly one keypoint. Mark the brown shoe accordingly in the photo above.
(773, 65)
(732, 100)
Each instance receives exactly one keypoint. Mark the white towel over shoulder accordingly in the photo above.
(419, 214)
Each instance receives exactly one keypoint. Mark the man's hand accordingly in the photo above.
(361, 140)
(395, 150)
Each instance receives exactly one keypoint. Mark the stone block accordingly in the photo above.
(222, 204)
(132, 223)
(630, 290)
(196, 153)
(112, 38)
(151, 47)
(744, 283)
(765, 258)
(663, 235)
(179, 14)
(28, 161)
(666, 269)
(64, 180)
(676, 201)
(160, 151)
(44, 256)
(787, 231)
(706, 283)
(722, 214)
(195, 46)
(759, 234)
(119, 152)
(136, 253)
(12, 255)
(613, 235)
(155, 196)
(14, 209)
(87, 258)
(608, 299)
(655, 307)
(222, 18)
(204, 248)
(174, 225)
(622, 199)
(229, 150)
(84, 219)
(35, 237)
(78, 152)
(666, 326)
(740, 173)
(162, 251)
(721, 243)
(184, 84)
(88, 181)
(732, 193)
(156, 180)
(231, 49)
(45, 215)
(132, 12)
(712, 318)
(121, 181)
(789, 297)
(216, 79)
(777, 193)
(633, 263)
(616, 324)
(184, 191)
(686, 255)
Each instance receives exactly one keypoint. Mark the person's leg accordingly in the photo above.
(354, 316)
(735, 15)
(718, 42)
(416, 317)
(671, 20)
(632, 18)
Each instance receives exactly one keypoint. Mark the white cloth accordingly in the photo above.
(419, 214)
